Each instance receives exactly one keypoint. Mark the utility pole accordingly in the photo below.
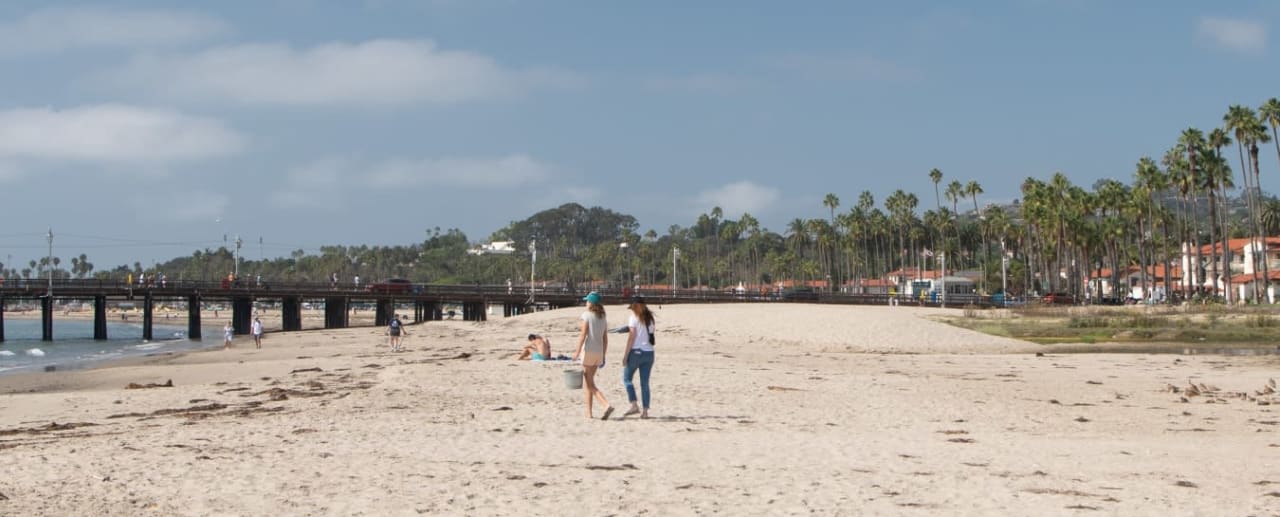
(1004, 272)
(942, 257)
(236, 269)
(50, 258)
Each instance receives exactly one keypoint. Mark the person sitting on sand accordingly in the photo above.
(538, 349)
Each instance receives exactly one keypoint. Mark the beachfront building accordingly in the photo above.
(912, 281)
(1155, 278)
(870, 286)
(1244, 268)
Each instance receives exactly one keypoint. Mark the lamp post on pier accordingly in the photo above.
(533, 269)
(236, 268)
(50, 259)
(675, 270)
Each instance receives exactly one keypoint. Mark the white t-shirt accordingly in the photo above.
(596, 327)
(642, 334)
(257, 328)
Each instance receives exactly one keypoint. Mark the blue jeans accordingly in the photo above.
(638, 360)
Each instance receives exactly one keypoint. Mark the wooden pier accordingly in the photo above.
(429, 300)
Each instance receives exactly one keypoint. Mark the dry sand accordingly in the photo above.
(759, 410)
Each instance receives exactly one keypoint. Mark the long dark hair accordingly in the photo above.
(645, 315)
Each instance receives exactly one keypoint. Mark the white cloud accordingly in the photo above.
(696, 83)
(317, 184)
(59, 29)
(842, 67)
(325, 172)
(585, 196)
(474, 173)
(114, 134)
(740, 197)
(328, 181)
(186, 205)
(377, 72)
(1232, 33)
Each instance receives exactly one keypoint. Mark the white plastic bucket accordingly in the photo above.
(573, 379)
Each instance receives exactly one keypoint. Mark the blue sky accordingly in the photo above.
(156, 128)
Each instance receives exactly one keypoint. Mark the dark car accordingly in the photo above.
(800, 294)
(391, 286)
(1059, 299)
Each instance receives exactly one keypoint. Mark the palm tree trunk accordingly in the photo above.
(1266, 279)
(1213, 218)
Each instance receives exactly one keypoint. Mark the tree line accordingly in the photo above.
(1050, 240)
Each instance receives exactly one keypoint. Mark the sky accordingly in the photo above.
(139, 131)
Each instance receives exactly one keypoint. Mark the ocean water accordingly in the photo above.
(73, 346)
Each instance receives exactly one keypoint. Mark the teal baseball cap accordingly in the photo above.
(592, 297)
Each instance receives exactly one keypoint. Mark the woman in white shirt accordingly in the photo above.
(593, 342)
(639, 355)
(256, 330)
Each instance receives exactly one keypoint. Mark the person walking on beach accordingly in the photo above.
(638, 355)
(228, 332)
(593, 343)
(256, 329)
(394, 330)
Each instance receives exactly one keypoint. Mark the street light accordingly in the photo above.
(533, 269)
(675, 271)
(236, 269)
(622, 252)
(50, 262)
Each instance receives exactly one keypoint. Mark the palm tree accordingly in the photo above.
(1270, 112)
(1271, 216)
(935, 176)
(1219, 138)
(1244, 124)
(973, 189)
(1192, 141)
(832, 202)
(1214, 172)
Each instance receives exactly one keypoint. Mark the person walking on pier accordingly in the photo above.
(228, 333)
(256, 329)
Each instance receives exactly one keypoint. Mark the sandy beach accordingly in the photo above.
(768, 409)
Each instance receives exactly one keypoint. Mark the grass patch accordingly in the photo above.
(1200, 325)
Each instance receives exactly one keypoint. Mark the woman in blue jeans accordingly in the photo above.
(638, 355)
